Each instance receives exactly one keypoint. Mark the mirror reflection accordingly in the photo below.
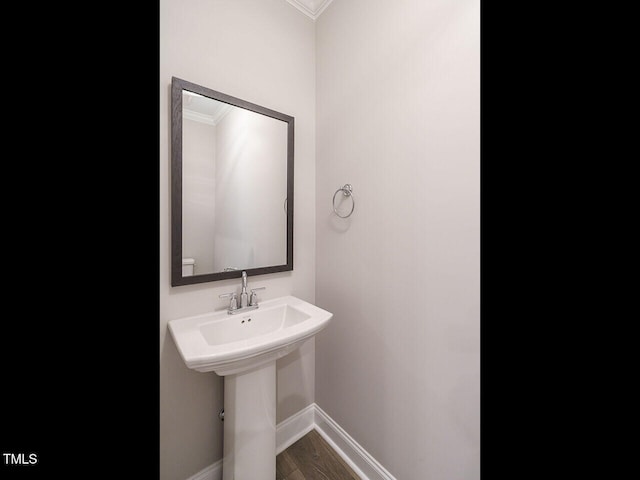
(232, 186)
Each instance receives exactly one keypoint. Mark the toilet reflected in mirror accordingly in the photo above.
(188, 267)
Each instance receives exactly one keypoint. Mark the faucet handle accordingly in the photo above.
(233, 303)
(254, 300)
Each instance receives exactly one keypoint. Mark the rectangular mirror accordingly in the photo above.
(231, 186)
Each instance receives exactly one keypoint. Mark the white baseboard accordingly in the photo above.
(294, 428)
(367, 467)
(212, 472)
(297, 426)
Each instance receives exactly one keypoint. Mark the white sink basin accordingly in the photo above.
(244, 348)
(230, 344)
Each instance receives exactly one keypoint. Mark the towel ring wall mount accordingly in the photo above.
(347, 191)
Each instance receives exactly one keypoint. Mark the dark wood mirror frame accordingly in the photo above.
(177, 86)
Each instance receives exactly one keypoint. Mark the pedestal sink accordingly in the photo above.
(244, 348)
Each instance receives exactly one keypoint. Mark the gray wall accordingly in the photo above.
(262, 51)
(199, 193)
(397, 92)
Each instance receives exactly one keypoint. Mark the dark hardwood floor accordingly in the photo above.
(311, 458)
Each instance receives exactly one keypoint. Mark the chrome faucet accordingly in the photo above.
(246, 302)
(244, 297)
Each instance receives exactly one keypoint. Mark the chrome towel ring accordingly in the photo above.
(347, 191)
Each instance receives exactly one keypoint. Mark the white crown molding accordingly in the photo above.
(297, 426)
(198, 117)
(311, 8)
(222, 112)
(204, 118)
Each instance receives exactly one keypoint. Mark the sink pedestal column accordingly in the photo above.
(249, 441)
